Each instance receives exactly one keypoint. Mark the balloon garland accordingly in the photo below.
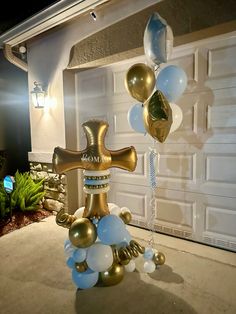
(99, 248)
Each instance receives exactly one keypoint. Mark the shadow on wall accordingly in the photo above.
(14, 116)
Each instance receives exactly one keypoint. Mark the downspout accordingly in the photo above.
(7, 49)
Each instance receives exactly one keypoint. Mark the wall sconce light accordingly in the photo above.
(38, 96)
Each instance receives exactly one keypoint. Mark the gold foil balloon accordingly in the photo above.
(126, 217)
(95, 157)
(82, 233)
(157, 115)
(159, 258)
(140, 81)
(112, 276)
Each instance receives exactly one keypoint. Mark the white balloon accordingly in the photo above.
(110, 205)
(169, 42)
(177, 116)
(115, 210)
(130, 267)
(79, 212)
(149, 266)
(99, 257)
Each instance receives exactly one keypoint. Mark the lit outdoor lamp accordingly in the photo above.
(38, 96)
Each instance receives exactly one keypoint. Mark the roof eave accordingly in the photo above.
(52, 16)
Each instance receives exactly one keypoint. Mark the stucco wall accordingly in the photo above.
(124, 39)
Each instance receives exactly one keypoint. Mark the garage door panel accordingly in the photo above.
(141, 173)
(221, 168)
(176, 212)
(135, 197)
(220, 221)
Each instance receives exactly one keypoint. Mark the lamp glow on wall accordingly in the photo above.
(38, 96)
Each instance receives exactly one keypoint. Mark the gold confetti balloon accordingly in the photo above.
(112, 276)
(159, 258)
(82, 233)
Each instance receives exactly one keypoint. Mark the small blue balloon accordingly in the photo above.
(69, 248)
(148, 254)
(84, 280)
(127, 237)
(70, 262)
(79, 255)
(172, 82)
(126, 240)
(135, 118)
(111, 230)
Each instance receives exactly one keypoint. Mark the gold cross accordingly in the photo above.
(94, 157)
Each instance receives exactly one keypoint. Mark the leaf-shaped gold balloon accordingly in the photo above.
(157, 115)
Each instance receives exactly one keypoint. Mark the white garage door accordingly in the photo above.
(196, 175)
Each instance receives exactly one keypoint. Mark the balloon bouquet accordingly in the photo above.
(157, 114)
(99, 248)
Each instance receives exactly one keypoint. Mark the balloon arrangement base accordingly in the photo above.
(104, 263)
(99, 248)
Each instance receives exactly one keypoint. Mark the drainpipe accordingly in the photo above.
(7, 49)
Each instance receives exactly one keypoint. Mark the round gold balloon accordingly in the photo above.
(140, 81)
(112, 276)
(82, 233)
(157, 116)
(126, 217)
(159, 258)
(81, 267)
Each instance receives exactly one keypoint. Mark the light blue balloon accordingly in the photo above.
(148, 254)
(79, 255)
(69, 248)
(126, 240)
(84, 280)
(135, 118)
(70, 262)
(171, 81)
(111, 230)
(127, 237)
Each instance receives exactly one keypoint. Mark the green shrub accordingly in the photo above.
(27, 193)
(4, 201)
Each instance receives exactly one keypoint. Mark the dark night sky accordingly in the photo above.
(15, 13)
